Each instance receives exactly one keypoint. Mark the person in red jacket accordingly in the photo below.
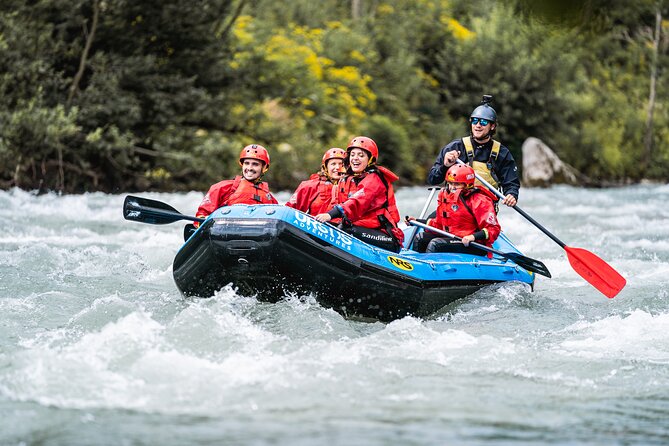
(314, 196)
(247, 188)
(365, 199)
(464, 210)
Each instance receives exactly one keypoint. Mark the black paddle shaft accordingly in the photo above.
(495, 191)
(521, 260)
(539, 226)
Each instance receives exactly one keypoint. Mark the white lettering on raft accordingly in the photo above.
(321, 230)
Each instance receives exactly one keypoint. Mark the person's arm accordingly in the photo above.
(213, 199)
(507, 171)
(437, 174)
(409, 218)
(446, 158)
(335, 212)
(299, 200)
(486, 221)
(370, 196)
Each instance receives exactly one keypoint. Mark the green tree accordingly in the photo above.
(115, 95)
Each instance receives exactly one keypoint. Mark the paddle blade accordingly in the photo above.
(528, 263)
(149, 211)
(596, 271)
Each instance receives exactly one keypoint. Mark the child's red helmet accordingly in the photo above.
(461, 173)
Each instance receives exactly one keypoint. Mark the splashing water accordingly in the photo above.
(98, 347)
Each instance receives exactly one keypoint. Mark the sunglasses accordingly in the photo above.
(483, 122)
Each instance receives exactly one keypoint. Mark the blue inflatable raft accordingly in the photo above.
(266, 249)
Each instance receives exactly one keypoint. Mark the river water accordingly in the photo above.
(97, 347)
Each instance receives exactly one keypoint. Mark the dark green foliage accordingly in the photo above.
(121, 95)
(395, 151)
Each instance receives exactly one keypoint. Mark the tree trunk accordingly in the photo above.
(648, 139)
(233, 19)
(84, 55)
(17, 171)
(77, 78)
(356, 9)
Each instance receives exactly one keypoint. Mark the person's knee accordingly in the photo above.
(433, 246)
(441, 244)
(420, 242)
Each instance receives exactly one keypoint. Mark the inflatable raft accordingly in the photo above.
(264, 250)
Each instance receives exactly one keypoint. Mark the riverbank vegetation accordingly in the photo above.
(118, 95)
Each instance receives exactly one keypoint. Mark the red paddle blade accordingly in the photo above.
(596, 271)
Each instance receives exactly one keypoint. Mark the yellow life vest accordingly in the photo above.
(485, 170)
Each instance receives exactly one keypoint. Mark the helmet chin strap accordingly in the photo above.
(262, 174)
(327, 175)
(486, 137)
(324, 171)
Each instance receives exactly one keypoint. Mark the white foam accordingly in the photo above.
(639, 335)
(148, 350)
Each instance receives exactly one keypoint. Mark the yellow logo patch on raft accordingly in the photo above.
(401, 264)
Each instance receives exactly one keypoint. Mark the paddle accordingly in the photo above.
(422, 213)
(520, 260)
(152, 212)
(593, 269)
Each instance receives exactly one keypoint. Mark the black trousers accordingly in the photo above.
(375, 237)
(430, 242)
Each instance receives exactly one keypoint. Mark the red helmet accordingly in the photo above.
(256, 152)
(366, 144)
(461, 173)
(333, 153)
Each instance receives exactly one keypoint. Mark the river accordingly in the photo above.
(97, 347)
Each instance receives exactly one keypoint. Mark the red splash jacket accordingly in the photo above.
(365, 197)
(313, 196)
(236, 191)
(468, 211)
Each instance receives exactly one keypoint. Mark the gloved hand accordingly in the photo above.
(408, 218)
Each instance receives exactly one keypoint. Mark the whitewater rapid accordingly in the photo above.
(98, 347)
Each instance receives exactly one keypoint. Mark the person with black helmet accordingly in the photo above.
(491, 160)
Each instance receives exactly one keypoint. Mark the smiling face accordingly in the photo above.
(334, 168)
(358, 160)
(251, 169)
(482, 132)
